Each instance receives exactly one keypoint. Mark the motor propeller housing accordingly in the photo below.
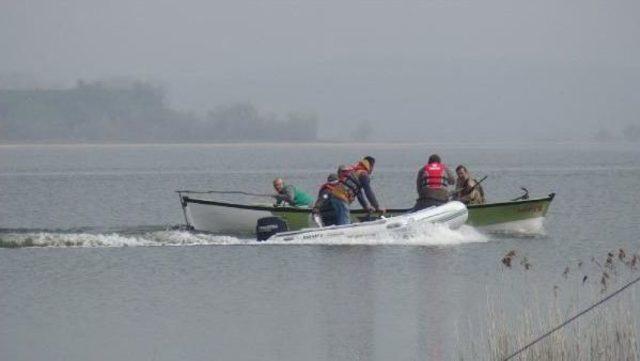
(268, 226)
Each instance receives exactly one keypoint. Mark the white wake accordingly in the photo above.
(424, 235)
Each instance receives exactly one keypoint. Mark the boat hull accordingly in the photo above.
(230, 218)
(227, 218)
(206, 218)
(491, 214)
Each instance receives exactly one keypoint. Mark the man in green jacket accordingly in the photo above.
(288, 194)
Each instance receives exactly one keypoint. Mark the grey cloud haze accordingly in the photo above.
(417, 70)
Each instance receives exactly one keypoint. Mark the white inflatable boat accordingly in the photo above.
(453, 214)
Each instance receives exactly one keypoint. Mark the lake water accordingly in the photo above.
(94, 266)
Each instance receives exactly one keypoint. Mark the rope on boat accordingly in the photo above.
(572, 319)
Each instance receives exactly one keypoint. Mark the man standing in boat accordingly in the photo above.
(433, 180)
(288, 194)
(468, 190)
(352, 181)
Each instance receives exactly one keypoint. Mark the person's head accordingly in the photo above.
(371, 160)
(434, 158)
(342, 170)
(462, 172)
(278, 184)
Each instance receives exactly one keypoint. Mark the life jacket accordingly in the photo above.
(326, 191)
(349, 181)
(433, 176)
(329, 187)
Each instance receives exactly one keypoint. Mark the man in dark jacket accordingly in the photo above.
(323, 208)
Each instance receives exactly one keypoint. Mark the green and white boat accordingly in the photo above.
(205, 214)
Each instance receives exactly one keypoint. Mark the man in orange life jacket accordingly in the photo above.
(432, 182)
(351, 184)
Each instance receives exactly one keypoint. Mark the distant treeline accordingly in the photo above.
(630, 133)
(96, 112)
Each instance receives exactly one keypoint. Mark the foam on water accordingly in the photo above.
(427, 235)
(525, 228)
(417, 235)
(148, 239)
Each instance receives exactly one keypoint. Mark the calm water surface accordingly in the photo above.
(112, 295)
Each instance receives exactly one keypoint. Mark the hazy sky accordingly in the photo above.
(418, 70)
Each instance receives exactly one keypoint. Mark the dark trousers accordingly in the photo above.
(422, 203)
(328, 215)
(341, 210)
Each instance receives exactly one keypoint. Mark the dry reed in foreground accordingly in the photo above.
(521, 312)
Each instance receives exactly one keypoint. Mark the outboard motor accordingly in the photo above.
(268, 226)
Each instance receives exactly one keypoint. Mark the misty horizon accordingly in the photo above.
(413, 71)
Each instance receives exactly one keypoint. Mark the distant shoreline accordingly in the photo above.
(319, 143)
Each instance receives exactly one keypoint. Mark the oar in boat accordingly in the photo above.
(229, 192)
(184, 204)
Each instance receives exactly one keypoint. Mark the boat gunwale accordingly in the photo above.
(187, 199)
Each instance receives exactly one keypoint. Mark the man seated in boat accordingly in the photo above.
(468, 190)
(354, 182)
(433, 180)
(287, 194)
(323, 208)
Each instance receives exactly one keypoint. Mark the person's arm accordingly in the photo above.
(419, 181)
(455, 194)
(450, 177)
(363, 201)
(290, 194)
(474, 196)
(366, 186)
(280, 198)
(466, 197)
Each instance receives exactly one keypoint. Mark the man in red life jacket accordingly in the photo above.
(432, 182)
(351, 184)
